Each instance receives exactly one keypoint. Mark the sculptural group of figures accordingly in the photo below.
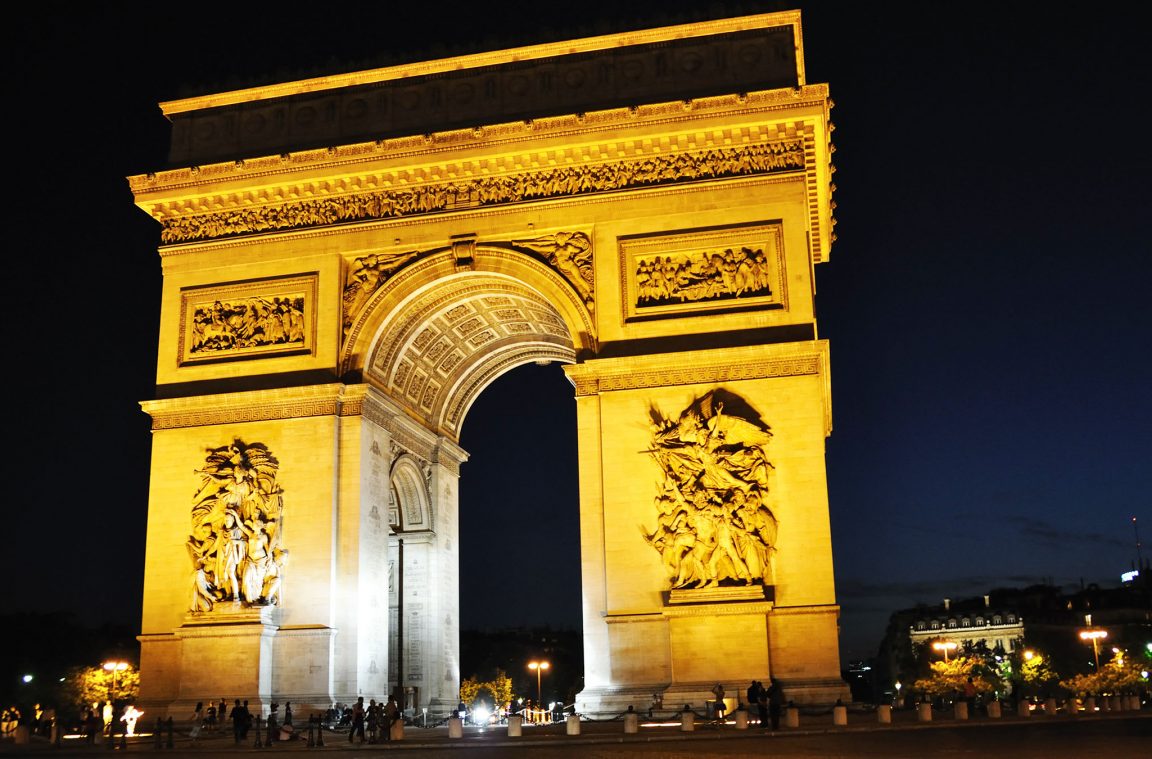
(247, 323)
(235, 543)
(702, 276)
(714, 524)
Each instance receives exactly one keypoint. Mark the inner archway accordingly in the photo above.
(519, 559)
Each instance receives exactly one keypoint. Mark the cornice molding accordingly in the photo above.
(700, 367)
(255, 406)
(336, 202)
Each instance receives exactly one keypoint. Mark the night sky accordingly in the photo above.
(986, 300)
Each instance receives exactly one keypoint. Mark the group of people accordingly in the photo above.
(769, 702)
(373, 723)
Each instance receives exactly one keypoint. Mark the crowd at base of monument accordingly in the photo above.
(317, 732)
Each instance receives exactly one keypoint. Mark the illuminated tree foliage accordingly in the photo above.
(1121, 675)
(86, 686)
(1036, 675)
(499, 689)
(948, 678)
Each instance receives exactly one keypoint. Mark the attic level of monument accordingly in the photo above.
(620, 70)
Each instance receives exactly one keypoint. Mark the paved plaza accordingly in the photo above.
(1117, 735)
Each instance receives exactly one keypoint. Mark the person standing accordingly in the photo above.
(357, 721)
(197, 722)
(775, 702)
(237, 716)
(718, 708)
(391, 715)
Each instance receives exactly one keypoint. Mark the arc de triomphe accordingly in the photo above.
(349, 261)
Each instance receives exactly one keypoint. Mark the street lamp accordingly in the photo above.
(114, 667)
(1094, 636)
(945, 646)
(539, 666)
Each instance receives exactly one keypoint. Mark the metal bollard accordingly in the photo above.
(687, 719)
(884, 714)
(573, 726)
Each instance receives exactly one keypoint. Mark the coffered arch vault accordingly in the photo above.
(435, 335)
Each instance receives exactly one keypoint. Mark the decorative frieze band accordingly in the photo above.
(780, 155)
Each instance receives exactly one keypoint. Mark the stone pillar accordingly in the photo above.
(687, 721)
(994, 709)
(1024, 708)
(1090, 704)
(840, 715)
(960, 710)
(1050, 706)
(396, 732)
(741, 719)
(631, 722)
(455, 727)
(924, 711)
(792, 717)
(884, 714)
(573, 724)
(1115, 704)
(514, 725)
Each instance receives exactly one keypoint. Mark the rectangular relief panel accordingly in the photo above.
(254, 319)
(703, 271)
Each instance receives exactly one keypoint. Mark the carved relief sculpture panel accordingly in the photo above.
(248, 319)
(687, 273)
(235, 543)
(714, 525)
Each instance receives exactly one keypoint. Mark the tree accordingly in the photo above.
(499, 689)
(86, 686)
(1121, 675)
(949, 677)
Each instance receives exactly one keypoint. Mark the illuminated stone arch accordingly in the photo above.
(342, 290)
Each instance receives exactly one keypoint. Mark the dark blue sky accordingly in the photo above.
(986, 301)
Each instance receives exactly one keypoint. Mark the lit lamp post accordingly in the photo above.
(945, 646)
(1094, 636)
(539, 666)
(114, 667)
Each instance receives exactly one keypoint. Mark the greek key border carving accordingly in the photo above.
(240, 414)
